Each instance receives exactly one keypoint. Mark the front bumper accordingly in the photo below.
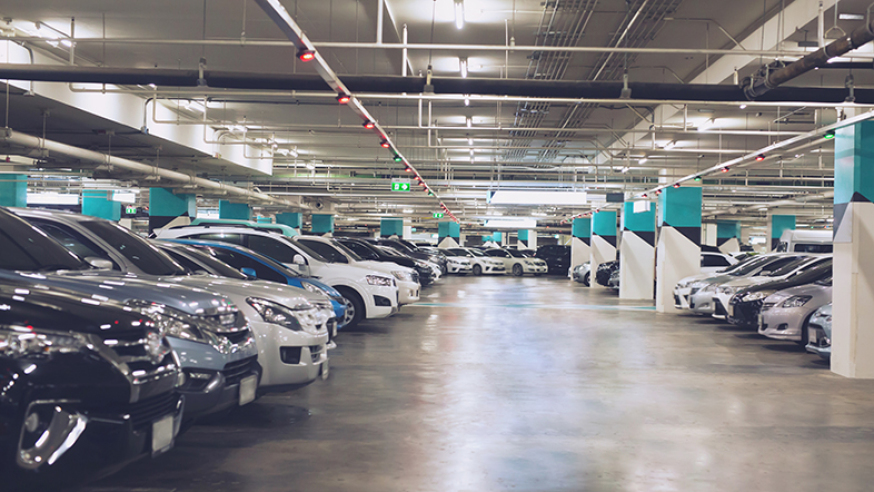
(720, 305)
(456, 268)
(494, 269)
(681, 297)
(782, 323)
(702, 303)
(381, 301)
(408, 292)
(289, 358)
(819, 344)
(745, 314)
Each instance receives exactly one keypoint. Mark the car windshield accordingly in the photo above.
(389, 251)
(149, 259)
(787, 268)
(398, 246)
(312, 254)
(459, 252)
(528, 254)
(27, 248)
(197, 256)
(516, 253)
(351, 254)
(431, 251)
(364, 250)
(751, 266)
(211, 250)
(476, 252)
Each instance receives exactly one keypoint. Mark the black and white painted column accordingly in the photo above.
(526, 239)
(637, 251)
(167, 209)
(678, 253)
(448, 234)
(852, 339)
(728, 236)
(603, 240)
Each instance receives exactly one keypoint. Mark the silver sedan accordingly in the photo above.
(820, 332)
(785, 313)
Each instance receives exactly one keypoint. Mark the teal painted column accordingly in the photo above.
(322, 224)
(236, 211)
(582, 229)
(637, 251)
(165, 206)
(13, 190)
(391, 226)
(497, 237)
(852, 337)
(97, 203)
(291, 219)
(778, 224)
(726, 230)
(448, 229)
(678, 253)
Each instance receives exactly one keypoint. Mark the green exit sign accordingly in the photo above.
(400, 186)
(438, 215)
(130, 210)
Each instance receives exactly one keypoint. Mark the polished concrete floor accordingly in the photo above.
(538, 384)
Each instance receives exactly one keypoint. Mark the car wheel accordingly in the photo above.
(444, 269)
(477, 270)
(354, 307)
(805, 336)
(517, 270)
(586, 279)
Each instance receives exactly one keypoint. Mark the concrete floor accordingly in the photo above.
(538, 384)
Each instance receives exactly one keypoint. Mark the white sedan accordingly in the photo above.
(457, 263)
(518, 262)
(482, 264)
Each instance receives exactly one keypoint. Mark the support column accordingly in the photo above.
(527, 239)
(603, 241)
(637, 251)
(709, 234)
(291, 219)
(393, 226)
(98, 203)
(322, 224)
(728, 236)
(581, 241)
(678, 253)
(236, 211)
(13, 190)
(167, 209)
(852, 332)
(448, 234)
(777, 224)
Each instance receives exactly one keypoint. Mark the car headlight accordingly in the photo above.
(278, 314)
(28, 341)
(402, 275)
(315, 289)
(755, 296)
(174, 323)
(682, 285)
(728, 290)
(796, 301)
(379, 280)
(709, 288)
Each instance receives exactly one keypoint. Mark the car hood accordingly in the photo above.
(813, 290)
(383, 267)
(196, 301)
(693, 278)
(282, 294)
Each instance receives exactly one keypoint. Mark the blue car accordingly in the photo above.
(263, 268)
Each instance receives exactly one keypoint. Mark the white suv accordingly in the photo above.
(406, 278)
(369, 293)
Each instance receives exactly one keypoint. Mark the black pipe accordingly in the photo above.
(416, 85)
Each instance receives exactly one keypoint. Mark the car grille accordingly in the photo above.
(415, 275)
(134, 349)
(746, 312)
(677, 300)
(718, 308)
(818, 338)
(142, 413)
(234, 372)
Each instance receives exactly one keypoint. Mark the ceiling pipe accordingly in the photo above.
(11, 138)
(550, 89)
(770, 76)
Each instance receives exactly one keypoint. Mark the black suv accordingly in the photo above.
(369, 251)
(557, 258)
(86, 384)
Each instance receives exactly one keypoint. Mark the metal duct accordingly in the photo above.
(416, 85)
(11, 138)
(770, 76)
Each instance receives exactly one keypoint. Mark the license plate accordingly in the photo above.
(332, 328)
(248, 386)
(162, 435)
(324, 369)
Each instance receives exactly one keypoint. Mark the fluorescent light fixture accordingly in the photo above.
(670, 145)
(408, 210)
(513, 197)
(466, 100)
(459, 14)
(52, 199)
(471, 152)
(311, 166)
(469, 121)
(511, 223)
(469, 141)
(124, 196)
(642, 160)
(848, 16)
(707, 124)
(462, 66)
(67, 43)
(743, 106)
(641, 206)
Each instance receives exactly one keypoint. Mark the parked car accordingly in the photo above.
(805, 241)
(436, 271)
(372, 252)
(458, 264)
(785, 313)
(371, 294)
(482, 264)
(557, 258)
(216, 258)
(87, 384)
(279, 228)
(407, 279)
(582, 273)
(284, 320)
(819, 332)
(422, 253)
(745, 305)
(613, 282)
(517, 262)
(216, 351)
(727, 290)
(605, 271)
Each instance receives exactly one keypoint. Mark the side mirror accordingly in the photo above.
(99, 263)
(250, 272)
(299, 260)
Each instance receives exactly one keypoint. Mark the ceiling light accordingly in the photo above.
(305, 55)
(848, 16)
(642, 160)
(743, 106)
(459, 14)
(725, 169)
(707, 124)
(697, 178)
(469, 141)
(670, 145)
(311, 166)
(829, 135)
(511, 223)
(469, 121)
(510, 197)
(466, 100)
(462, 66)
(398, 158)
(369, 125)
(343, 98)
(643, 196)
(760, 157)
(67, 43)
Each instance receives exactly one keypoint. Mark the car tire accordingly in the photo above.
(477, 270)
(353, 302)
(517, 270)
(586, 279)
